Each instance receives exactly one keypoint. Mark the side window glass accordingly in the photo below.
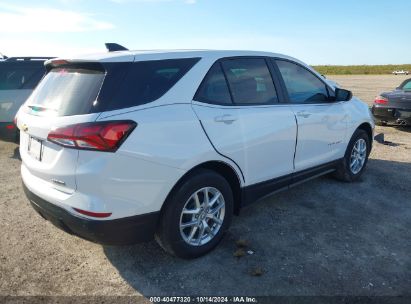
(250, 81)
(147, 81)
(214, 88)
(302, 86)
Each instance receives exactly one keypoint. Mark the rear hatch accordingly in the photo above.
(67, 95)
(60, 117)
(17, 81)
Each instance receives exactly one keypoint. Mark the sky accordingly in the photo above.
(315, 31)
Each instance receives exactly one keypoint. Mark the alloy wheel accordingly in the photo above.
(202, 216)
(358, 156)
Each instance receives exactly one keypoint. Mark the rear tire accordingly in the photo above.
(189, 227)
(355, 159)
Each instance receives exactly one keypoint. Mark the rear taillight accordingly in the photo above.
(381, 100)
(102, 136)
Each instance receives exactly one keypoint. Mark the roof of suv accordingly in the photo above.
(141, 55)
(27, 58)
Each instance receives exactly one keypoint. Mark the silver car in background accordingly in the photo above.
(18, 77)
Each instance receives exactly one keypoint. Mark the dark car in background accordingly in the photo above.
(395, 106)
(18, 77)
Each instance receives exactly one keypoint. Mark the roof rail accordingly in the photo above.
(28, 58)
(114, 47)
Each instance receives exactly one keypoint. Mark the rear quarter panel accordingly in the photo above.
(167, 142)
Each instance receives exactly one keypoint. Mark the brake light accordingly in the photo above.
(57, 62)
(10, 127)
(102, 136)
(381, 100)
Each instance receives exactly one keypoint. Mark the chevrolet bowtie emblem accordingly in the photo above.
(24, 128)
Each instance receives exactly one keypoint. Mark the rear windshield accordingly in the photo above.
(73, 91)
(20, 75)
(66, 91)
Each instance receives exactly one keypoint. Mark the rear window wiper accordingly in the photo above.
(39, 108)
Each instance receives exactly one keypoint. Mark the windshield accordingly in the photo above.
(19, 75)
(66, 91)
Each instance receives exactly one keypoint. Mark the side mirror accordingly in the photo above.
(342, 95)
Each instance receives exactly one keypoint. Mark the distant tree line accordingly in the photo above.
(360, 69)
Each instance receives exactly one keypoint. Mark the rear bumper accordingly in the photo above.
(123, 231)
(8, 131)
(392, 115)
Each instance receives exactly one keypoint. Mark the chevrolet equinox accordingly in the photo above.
(125, 146)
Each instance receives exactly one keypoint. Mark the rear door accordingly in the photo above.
(322, 123)
(239, 108)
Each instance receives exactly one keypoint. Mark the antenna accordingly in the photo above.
(114, 47)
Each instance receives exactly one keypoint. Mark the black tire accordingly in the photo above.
(344, 172)
(168, 233)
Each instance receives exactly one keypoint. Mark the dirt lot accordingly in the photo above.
(321, 238)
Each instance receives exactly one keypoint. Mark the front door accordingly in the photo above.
(321, 122)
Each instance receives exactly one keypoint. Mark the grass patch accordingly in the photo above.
(360, 69)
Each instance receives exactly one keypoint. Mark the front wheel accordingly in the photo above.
(196, 215)
(355, 159)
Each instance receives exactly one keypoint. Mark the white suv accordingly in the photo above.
(121, 147)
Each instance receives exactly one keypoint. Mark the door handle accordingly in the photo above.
(304, 114)
(226, 118)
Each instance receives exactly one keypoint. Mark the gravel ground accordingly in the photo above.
(323, 237)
